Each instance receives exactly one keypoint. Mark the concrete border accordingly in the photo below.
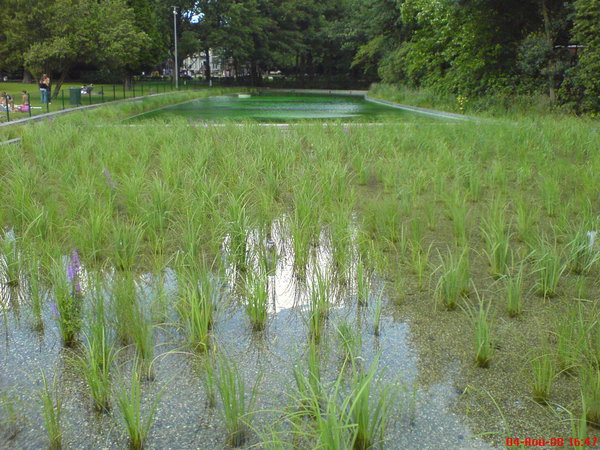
(11, 141)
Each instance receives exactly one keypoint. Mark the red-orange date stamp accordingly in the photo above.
(552, 442)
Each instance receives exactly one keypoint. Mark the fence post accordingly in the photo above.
(7, 108)
(114, 93)
(124, 95)
(29, 103)
(142, 85)
(90, 97)
(133, 87)
(102, 94)
(63, 99)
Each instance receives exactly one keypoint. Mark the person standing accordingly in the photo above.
(45, 89)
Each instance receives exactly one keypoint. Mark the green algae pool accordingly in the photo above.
(277, 107)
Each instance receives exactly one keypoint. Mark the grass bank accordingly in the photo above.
(485, 106)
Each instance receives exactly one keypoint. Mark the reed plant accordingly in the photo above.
(350, 339)
(129, 400)
(377, 314)
(454, 279)
(369, 412)
(195, 307)
(68, 299)
(497, 247)
(513, 290)
(12, 260)
(550, 194)
(482, 320)
(590, 388)
(124, 301)
(257, 299)
(51, 400)
(237, 403)
(571, 339)
(457, 211)
(36, 293)
(97, 359)
(550, 268)
(321, 295)
(363, 284)
(420, 262)
(543, 373)
(581, 254)
(308, 383)
(127, 242)
(208, 378)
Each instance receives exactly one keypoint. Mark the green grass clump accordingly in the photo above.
(454, 279)
(482, 321)
(543, 373)
(550, 268)
(97, 359)
(514, 293)
(237, 410)
(196, 307)
(52, 412)
(257, 299)
(129, 400)
(590, 389)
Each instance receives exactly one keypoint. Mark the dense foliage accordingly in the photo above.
(461, 47)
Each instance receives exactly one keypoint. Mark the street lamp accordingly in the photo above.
(175, 34)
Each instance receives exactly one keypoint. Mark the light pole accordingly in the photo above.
(175, 34)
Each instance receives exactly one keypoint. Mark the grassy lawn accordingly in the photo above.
(100, 93)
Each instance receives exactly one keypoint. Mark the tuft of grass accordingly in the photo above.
(97, 359)
(549, 269)
(369, 413)
(129, 400)
(363, 285)
(543, 373)
(67, 304)
(350, 339)
(454, 279)
(257, 299)
(196, 306)
(52, 412)
(420, 262)
(377, 314)
(581, 254)
(590, 388)
(514, 293)
(10, 255)
(482, 321)
(238, 410)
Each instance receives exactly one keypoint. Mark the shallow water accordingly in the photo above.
(281, 107)
(423, 417)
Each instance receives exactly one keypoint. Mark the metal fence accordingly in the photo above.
(73, 97)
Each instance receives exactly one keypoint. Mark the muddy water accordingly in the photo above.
(424, 416)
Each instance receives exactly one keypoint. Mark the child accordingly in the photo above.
(24, 102)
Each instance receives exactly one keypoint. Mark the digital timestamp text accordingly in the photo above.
(552, 442)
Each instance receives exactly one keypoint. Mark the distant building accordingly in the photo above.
(220, 66)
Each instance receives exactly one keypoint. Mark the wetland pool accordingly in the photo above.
(278, 107)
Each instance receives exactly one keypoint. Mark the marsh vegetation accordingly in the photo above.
(318, 286)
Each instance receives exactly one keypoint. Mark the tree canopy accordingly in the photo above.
(463, 47)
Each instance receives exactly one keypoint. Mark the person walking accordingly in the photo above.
(45, 89)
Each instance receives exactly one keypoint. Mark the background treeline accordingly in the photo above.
(465, 48)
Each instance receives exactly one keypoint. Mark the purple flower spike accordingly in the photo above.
(73, 269)
(53, 309)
